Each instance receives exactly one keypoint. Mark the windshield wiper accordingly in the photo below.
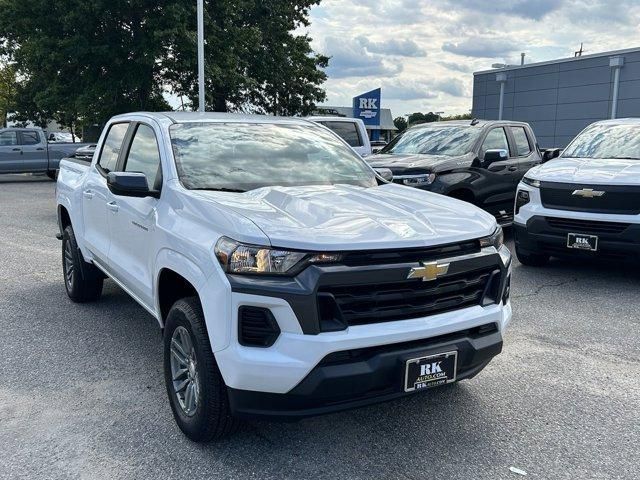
(219, 189)
(623, 158)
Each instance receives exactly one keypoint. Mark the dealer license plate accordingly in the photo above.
(582, 241)
(430, 371)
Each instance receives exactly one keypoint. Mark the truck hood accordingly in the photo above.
(430, 163)
(588, 171)
(343, 217)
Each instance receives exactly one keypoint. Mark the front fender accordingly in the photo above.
(213, 290)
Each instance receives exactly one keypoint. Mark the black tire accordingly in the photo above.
(532, 259)
(211, 417)
(52, 174)
(82, 280)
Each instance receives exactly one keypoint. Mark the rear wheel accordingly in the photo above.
(52, 174)
(82, 280)
(196, 389)
(532, 259)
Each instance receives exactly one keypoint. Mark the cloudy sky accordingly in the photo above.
(423, 52)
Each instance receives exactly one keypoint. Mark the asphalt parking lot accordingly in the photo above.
(82, 392)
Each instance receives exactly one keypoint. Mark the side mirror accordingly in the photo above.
(550, 154)
(385, 173)
(495, 155)
(129, 184)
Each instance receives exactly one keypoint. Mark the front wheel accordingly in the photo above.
(82, 280)
(196, 389)
(532, 259)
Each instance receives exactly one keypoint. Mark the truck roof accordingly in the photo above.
(183, 117)
(478, 123)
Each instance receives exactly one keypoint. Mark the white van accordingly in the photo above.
(351, 130)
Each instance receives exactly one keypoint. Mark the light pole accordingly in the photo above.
(201, 55)
(439, 114)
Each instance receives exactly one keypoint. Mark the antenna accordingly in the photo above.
(475, 121)
(579, 52)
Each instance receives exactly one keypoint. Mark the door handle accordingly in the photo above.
(513, 169)
(16, 149)
(113, 206)
(40, 148)
(88, 194)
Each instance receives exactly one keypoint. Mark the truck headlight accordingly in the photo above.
(531, 181)
(496, 239)
(417, 180)
(236, 257)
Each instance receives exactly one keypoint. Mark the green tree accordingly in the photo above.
(400, 123)
(416, 118)
(463, 116)
(8, 91)
(92, 59)
(253, 59)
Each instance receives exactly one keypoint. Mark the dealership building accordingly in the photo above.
(561, 97)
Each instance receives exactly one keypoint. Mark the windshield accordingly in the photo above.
(446, 140)
(244, 156)
(606, 141)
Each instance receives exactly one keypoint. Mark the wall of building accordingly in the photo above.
(560, 98)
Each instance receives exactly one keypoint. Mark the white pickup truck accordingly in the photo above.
(586, 203)
(288, 278)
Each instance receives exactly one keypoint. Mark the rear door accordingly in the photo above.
(34, 152)
(525, 148)
(10, 152)
(133, 220)
(96, 196)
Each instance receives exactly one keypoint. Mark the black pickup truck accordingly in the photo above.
(478, 161)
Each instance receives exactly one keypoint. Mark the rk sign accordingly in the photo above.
(367, 107)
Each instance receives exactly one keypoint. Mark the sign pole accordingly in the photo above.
(201, 55)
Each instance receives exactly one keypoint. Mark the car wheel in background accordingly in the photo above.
(532, 259)
(82, 280)
(196, 389)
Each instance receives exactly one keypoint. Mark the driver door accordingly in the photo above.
(501, 177)
(133, 220)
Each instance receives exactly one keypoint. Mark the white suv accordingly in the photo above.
(585, 203)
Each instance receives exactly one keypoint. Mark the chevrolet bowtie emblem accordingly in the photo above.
(588, 193)
(429, 271)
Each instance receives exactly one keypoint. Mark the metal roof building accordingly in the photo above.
(561, 97)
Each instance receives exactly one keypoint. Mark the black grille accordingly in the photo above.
(586, 226)
(365, 304)
(257, 327)
(620, 199)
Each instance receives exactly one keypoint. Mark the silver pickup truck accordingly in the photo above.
(26, 150)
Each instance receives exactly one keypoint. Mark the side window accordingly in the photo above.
(347, 130)
(8, 138)
(112, 146)
(522, 142)
(496, 139)
(144, 155)
(30, 137)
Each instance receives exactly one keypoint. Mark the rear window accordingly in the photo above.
(8, 138)
(348, 131)
(522, 142)
(112, 146)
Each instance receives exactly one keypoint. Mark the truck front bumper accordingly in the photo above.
(548, 235)
(353, 378)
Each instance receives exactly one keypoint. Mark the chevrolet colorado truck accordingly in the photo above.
(478, 161)
(586, 202)
(288, 278)
(26, 150)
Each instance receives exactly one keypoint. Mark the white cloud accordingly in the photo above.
(423, 52)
